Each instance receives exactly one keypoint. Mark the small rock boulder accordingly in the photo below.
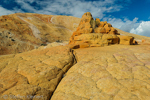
(126, 40)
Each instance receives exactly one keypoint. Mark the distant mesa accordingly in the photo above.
(95, 33)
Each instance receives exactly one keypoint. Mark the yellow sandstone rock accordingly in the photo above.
(127, 40)
(95, 33)
(118, 72)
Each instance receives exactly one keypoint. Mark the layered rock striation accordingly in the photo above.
(93, 33)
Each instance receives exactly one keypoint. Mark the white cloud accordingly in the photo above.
(26, 5)
(71, 7)
(5, 11)
(125, 24)
(142, 29)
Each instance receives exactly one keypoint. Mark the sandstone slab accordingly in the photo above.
(34, 75)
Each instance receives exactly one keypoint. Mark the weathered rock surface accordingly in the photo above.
(33, 75)
(93, 33)
(116, 72)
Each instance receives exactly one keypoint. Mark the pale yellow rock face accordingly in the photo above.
(33, 75)
(116, 72)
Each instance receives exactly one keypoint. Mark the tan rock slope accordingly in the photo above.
(22, 32)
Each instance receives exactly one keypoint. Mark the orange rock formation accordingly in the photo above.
(91, 33)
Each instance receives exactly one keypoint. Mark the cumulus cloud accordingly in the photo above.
(132, 26)
(142, 29)
(123, 24)
(25, 5)
(5, 11)
(71, 7)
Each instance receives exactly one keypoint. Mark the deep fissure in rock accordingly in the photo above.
(63, 75)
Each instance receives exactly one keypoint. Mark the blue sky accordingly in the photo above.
(129, 15)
